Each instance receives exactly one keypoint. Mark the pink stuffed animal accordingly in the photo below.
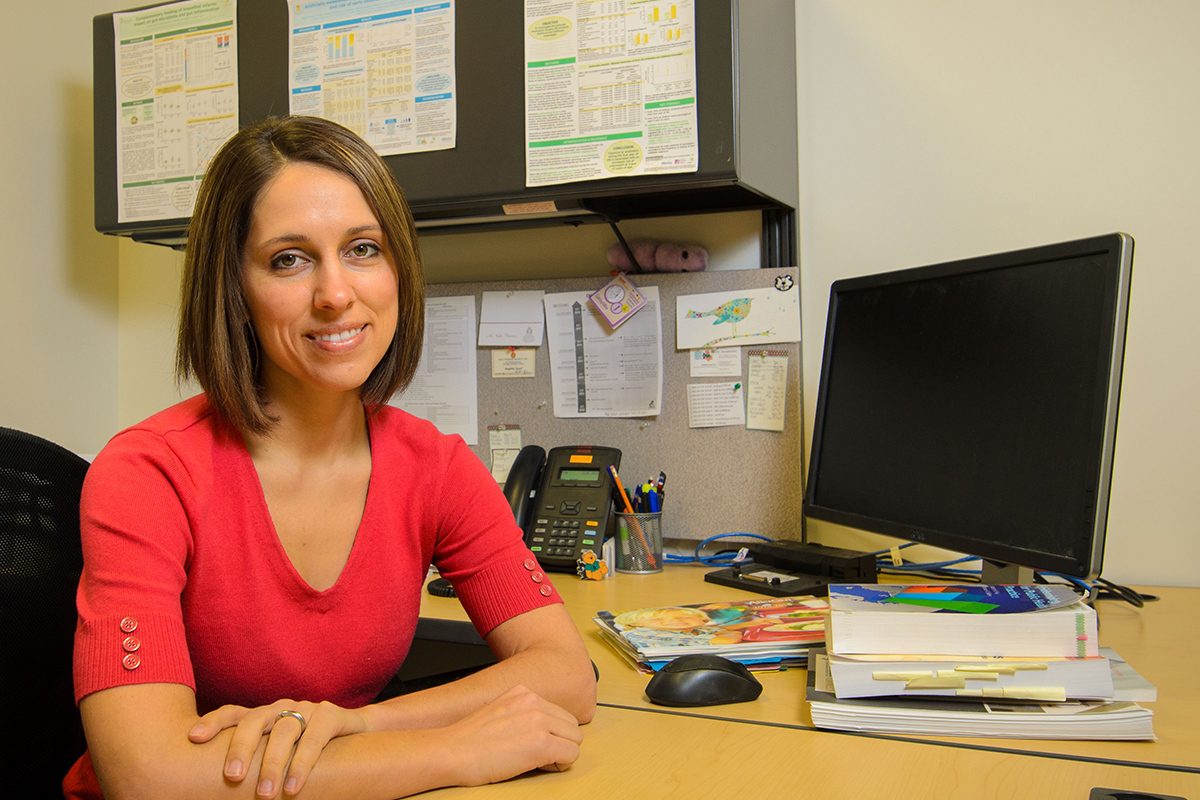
(658, 257)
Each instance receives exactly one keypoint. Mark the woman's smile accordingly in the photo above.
(338, 340)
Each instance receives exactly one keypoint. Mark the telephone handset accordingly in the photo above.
(562, 500)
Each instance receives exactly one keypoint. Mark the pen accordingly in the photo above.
(637, 527)
(620, 489)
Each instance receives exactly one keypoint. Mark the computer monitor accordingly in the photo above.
(972, 405)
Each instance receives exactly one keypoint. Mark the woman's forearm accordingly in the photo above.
(540, 650)
(565, 678)
(152, 758)
(144, 754)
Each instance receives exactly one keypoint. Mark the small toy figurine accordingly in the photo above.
(591, 567)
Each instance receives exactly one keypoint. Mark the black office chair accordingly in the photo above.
(40, 562)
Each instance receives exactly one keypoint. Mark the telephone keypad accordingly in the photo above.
(559, 535)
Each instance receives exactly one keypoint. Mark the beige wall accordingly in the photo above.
(58, 374)
(933, 130)
(929, 131)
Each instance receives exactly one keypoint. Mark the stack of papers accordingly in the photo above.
(953, 676)
(1113, 720)
(1020, 661)
(763, 634)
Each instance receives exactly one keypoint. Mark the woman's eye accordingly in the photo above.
(285, 261)
(364, 250)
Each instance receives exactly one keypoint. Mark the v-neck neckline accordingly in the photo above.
(282, 561)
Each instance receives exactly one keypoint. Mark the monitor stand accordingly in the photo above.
(998, 572)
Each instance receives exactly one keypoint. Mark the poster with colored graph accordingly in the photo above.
(383, 68)
(177, 102)
(610, 90)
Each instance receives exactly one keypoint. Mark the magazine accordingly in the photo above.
(766, 633)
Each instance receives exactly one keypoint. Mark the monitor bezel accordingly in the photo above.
(1116, 250)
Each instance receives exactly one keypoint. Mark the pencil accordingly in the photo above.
(637, 526)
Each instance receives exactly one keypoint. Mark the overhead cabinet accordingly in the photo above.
(746, 119)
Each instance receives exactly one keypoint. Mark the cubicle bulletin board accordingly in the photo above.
(719, 480)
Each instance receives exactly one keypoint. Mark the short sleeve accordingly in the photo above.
(481, 550)
(136, 537)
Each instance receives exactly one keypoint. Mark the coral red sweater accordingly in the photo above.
(185, 580)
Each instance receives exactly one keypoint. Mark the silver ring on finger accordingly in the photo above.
(296, 715)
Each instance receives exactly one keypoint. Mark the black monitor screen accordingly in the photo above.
(972, 405)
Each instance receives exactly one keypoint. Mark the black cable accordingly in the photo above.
(633, 262)
(1115, 591)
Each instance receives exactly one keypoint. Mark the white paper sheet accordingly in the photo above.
(711, 405)
(511, 318)
(383, 68)
(445, 388)
(177, 102)
(595, 372)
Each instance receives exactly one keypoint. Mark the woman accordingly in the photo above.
(254, 556)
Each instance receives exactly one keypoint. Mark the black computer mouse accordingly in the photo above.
(440, 587)
(702, 680)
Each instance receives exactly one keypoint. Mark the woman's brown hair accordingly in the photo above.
(217, 345)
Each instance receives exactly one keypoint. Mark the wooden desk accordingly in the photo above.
(632, 754)
(1149, 638)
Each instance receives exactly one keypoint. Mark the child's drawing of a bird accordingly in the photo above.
(731, 311)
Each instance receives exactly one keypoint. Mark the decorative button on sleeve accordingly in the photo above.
(130, 644)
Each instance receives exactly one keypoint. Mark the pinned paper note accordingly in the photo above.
(713, 362)
(767, 398)
(511, 318)
(714, 404)
(504, 442)
(617, 300)
(514, 362)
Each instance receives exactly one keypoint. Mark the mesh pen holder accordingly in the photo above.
(639, 542)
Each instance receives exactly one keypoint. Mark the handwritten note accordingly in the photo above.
(767, 392)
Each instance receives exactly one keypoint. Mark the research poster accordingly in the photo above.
(177, 103)
(382, 68)
(610, 89)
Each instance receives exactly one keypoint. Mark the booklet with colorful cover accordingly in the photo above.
(969, 620)
(760, 632)
(975, 598)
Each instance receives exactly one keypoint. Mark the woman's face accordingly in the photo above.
(319, 283)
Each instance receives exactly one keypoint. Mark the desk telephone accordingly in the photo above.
(562, 500)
